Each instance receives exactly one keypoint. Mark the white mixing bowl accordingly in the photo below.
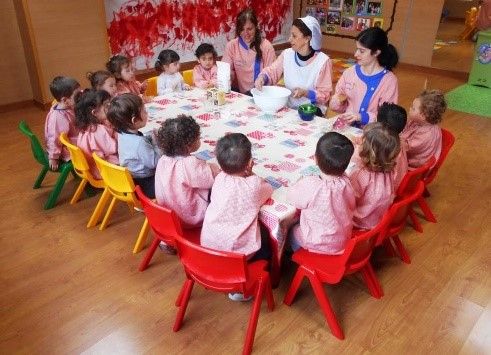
(271, 98)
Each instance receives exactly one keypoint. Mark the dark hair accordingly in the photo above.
(122, 109)
(166, 57)
(333, 153)
(98, 78)
(205, 48)
(380, 147)
(302, 27)
(85, 102)
(433, 105)
(392, 116)
(177, 134)
(63, 86)
(245, 15)
(116, 64)
(233, 152)
(375, 38)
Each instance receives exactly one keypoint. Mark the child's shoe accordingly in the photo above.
(239, 297)
(165, 248)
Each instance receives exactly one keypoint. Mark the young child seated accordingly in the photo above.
(327, 201)
(96, 135)
(373, 179)
(122, 69)
(422, 134)
(136, 152)
(182, 181)
(169, 79)
(205, 72)
(60, 119)
(394, 118)
(103, 80)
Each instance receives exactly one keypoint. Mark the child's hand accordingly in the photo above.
(143, 87)
(187, 87)
(147, 99)
(53, 164)
(215, 169)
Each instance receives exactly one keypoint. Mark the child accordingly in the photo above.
(373, 179)
(205, 73)
(103, 80)
(136, 152)
(394, 118)
(60, 119)
(182, 181)
(327, 201)
(422, 133)
(95, 136)
(122, 69)
(169, 79)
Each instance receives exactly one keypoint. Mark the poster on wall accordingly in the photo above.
(142, 28)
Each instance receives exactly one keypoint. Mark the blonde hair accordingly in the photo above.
(380, 147)
(432, 105)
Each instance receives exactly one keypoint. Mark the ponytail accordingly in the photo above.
(388, 57)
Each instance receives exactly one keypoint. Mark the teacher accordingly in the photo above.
(247, 54)
(306, 70)
(370, 82)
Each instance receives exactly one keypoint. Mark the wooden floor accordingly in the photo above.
(66, 289)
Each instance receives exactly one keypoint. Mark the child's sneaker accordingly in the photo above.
(165, 248)
(239, 297)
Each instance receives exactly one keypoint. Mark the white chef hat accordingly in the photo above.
(313, 25)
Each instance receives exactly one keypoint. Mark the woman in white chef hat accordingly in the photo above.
(306, 70)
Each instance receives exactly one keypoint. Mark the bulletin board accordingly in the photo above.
(346, 18)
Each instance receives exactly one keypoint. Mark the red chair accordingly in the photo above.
(322, 268)
(165, 225)
(396, 221)
(223, 272)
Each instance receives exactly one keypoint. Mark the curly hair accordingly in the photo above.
(233, 152)
(176, 135)
(85, 102)
(205, 48)
(123, 109)
(432, 105)
(380, 147)
(116, 64)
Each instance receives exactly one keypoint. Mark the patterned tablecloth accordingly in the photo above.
(283, 145)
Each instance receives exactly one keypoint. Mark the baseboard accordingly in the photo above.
(16, 105)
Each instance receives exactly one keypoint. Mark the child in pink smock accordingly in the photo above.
(205, 72)
(96, 133)
(103, 80)
(373, 179)
(394, 118)
(422, 134)
(169, 79)
(122, 69)
(61, 119)
(327, 201)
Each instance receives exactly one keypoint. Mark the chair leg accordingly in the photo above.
(78, 192)
(389, 249)
(426, 210)
(269, 294)
(414, 219)
(403, 254)
(292, 291)
(142, 237)
(256, 307)
(108, 215)
(326, 307)
(96, 215)
(371, 281)
(148, 256)
(426, 193)
(40, 178)
(53, 196)
(188, 287)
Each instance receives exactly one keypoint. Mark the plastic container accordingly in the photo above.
(271, 98)
(307, 112)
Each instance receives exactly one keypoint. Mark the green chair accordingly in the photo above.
(40, 155)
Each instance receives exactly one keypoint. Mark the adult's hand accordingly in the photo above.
(259, 82)
(298, 92)
(350, 117)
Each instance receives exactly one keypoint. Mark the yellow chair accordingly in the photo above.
(151, 86)
(81, 167)
(188, 76)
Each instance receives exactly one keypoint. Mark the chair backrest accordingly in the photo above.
(217, 270)
(36, 147)
(359, 248)
(151, 86)
(448, 141)
(410, 180)
(164, 222)
(187, 75)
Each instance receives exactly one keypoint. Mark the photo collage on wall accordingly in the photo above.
(346, 16)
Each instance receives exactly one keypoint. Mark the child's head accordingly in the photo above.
(103, 80)
(127, 112)
(179, 136)
(380, 147)
(333, 153)
(206, 55)
(167, 62)
(392, 116)
(429, 106)
(121, 67)
(64, 90)
(90, 108)
(234, 153)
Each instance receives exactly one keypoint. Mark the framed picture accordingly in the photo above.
(378, 22)
(330, 29)
(348, 7)
(361, 7)
(333, 17)
(348, 23)
(321, 15)
(363, 23)
(311, 2)
(374, 8)
(336, 5)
